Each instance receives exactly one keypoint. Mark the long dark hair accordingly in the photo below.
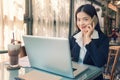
(91, 11)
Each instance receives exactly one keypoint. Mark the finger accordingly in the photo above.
(89, 26)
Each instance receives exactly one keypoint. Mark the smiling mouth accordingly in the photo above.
(83, 27)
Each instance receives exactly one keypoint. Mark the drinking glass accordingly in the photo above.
(13, 52)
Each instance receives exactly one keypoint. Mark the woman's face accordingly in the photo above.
(83, 20)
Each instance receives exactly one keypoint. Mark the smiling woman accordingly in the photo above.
(88, 45)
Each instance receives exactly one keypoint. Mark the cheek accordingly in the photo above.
(87, 22)
(79, 26)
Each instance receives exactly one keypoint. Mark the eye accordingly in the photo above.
(85, 19)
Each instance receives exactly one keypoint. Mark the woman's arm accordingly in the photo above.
(98, 52)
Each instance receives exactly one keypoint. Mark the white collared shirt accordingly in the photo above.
(79, 40)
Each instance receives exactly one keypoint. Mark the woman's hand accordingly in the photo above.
(88, 33)
(89, 30)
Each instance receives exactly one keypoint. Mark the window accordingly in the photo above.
(11, 21)
(51, 17)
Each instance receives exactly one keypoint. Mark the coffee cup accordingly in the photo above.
(13, 52)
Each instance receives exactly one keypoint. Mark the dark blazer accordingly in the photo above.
(97, 51)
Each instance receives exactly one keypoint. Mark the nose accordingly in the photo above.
(81, 23)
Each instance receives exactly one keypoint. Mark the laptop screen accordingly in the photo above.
(49, 54)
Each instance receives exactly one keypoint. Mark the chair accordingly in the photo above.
(113, 57)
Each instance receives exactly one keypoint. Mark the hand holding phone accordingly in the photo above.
(89, 30)
(91, 26)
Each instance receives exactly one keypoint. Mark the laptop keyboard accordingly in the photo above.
(74, 69)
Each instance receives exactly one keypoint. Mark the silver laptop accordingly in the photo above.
(52, 55)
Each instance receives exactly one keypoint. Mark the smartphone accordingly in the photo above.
(95, 20)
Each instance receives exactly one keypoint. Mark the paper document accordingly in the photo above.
(39, 75)
(24, 62)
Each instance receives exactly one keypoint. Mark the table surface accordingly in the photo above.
(5, 74)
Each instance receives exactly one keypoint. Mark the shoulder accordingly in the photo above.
(103, 38)
(72, 39)
(72, 36)
(102, 35)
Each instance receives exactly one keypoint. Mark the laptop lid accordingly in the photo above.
(49, 54)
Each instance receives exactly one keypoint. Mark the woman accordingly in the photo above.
(89, 45)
